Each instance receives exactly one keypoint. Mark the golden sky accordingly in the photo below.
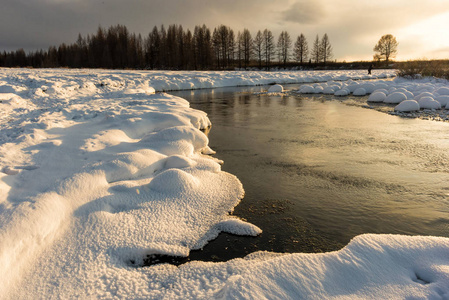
(353, 26)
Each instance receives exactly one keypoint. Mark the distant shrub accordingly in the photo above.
(415, 69)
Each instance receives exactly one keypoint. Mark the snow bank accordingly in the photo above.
(98, 172)
(427, 93)
(370, 267)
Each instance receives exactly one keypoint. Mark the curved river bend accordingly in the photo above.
(317, 172)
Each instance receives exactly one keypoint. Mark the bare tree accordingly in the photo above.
(231, 46)
(202, 47)
(224, 44)
(301, 50)
(240, 54)
(284, 44)
(316, 50)
(386, 47)
(326, 49)
(257, 46)
(247, 42)
(268, 46)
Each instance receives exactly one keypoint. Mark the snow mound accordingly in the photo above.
(342, 93)
(368, 87)
(174, 181)
(359, 92)
(329, 90)
(443, 99)
(407, 105)
(427, 102)
(442, 91)
(318, 89)
(377, 97)
(424, 94)
(306, 89)
(178, 162)
(239, 227)
(395, 97)
(277, 88)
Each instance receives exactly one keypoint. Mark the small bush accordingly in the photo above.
(424, 68)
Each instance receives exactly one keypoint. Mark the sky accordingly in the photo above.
(353, 26)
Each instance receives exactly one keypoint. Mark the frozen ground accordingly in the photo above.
(98, 171)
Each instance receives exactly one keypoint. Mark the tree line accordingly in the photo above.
(175, 48)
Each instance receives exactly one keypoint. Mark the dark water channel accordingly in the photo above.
(318, 172)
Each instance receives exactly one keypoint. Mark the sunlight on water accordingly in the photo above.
(341, 170)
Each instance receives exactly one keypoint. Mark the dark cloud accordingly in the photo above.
(34, 24)
(353, 26)
(304, 12)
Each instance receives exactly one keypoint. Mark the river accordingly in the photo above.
(317, 172)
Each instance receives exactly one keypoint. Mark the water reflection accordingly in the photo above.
(318, 172)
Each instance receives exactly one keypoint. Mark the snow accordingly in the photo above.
(277, 88)
(429, 103)
(343, 92)
(370, 267)
(407, 105)
(378, 96)
(395, 97)
(307, 89)
(359, 92)
(98, 171)
(443, 99)
(442, 91)
(424, 94)
(427, 93)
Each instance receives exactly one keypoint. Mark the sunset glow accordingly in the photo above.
(353, 26)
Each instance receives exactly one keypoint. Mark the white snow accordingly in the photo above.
(442, 91)
(98, 171)
(378, 96)
(443, 99)
(277, 88)
(390, 91)
(343, 92)
(423, 94)
(429, 103)
(395, 97)
(359, 92)
(306, 89)
(407, 105)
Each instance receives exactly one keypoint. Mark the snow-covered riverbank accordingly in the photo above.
(98, 171)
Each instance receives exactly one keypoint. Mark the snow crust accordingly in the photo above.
(98, 171)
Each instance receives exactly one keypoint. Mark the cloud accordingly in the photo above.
(304, 12)
(353, 26)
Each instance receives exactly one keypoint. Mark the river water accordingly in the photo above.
(317, 172)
